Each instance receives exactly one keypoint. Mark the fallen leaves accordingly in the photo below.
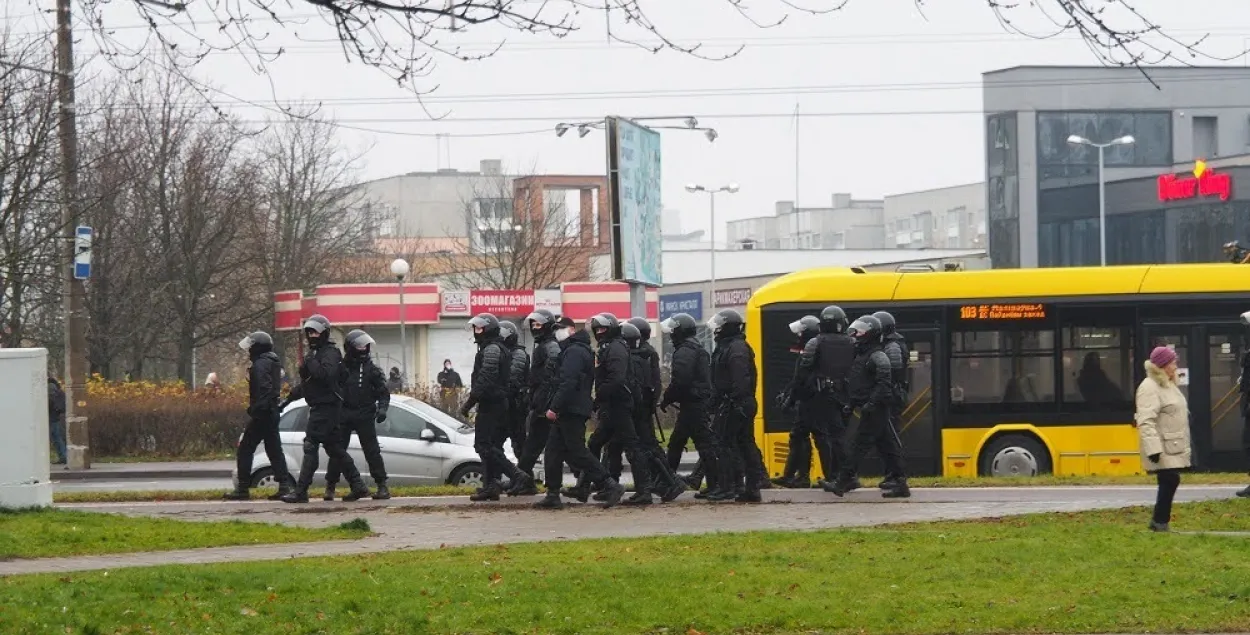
(495, 578)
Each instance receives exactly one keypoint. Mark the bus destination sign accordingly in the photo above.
(1002, 312)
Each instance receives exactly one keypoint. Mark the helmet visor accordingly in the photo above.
(537, 319)
(317, 326)
(716, 322)
(479, 322)
(796, 327)
(859, 328)
(362, 342)
(247, 343)
(668, 326)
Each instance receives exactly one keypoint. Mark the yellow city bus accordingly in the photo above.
(1026, 370)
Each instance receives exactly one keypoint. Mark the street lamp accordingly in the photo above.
(400, 269)
(1078, 140)
(732, 188)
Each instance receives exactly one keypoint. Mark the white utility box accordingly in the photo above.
(24, 477)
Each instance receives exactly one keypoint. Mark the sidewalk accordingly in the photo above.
(146, 471)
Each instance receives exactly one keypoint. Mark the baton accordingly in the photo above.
(655, 416)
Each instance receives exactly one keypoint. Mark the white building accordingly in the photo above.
(943, 218)
(847, 223)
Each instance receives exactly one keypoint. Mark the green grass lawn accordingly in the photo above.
(53, 533)
(1048, 573)
(449, 490)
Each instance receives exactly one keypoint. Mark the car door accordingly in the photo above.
(410, 460)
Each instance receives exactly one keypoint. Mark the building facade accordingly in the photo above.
(847, 223)
(943, 218)
(1042, 191)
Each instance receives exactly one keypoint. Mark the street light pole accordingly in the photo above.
(1102, 185)
(400, 269)
(732, 188)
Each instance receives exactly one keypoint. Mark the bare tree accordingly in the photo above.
(513, 240)
(404, 38)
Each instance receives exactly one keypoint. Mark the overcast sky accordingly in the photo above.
(852, 74)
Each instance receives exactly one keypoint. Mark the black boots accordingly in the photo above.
(490, 492)
(296, 495)
(237, 494)
(524, 485)
(359, 490)
(383, 493)
(550, 501)
(328, 495)
(285, 488)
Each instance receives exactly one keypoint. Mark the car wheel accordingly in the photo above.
(1015, 455)
(264, 478)
(468, 475)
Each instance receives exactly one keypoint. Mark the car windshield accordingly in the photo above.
(438, 416)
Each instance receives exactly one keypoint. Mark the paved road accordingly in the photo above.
(430, 523)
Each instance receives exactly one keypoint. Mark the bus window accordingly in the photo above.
(1002, 367)
(1097, 367)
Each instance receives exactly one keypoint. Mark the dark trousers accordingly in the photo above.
(262, 430)
(662, 476)
(820, 421)
(323, 431)
(366, 428)
(692, 424)
(620, 433)
(56, 433)
(743, 456)
(1168, 480)
(535, 441)
(566, 443)
(491, 426)
(517, 414)
(876, 430)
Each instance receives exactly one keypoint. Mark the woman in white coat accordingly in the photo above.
(1163, 427)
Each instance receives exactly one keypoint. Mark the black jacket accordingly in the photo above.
(518, 377)
(56, 401)
(640, 375)
(544, 367)
(895, 349)
(491, 367)
(654, 380)
(825, 364)
(733, 375)
(869, 383)
(690, 382)
(321, 376)
(575, 377)
(264, 385)
(614, 374)
(449, 378)
(366, 390)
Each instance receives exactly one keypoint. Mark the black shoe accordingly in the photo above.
(888, 483)
(900, 490)
(839, 487)
(1244, 493)
(765, 484)
(550, 502)
(673, 492)
(783, 481)
(615, 491)
(718, 495)
(329, 493)
(1160, 527)
(853, 484)
(749, 496)
(600, 496)
(702, 494)
(524, 486)
(296, 497)
(237, 495)
(283, 490)
(798, 482)
(383, 493)
(692, 482)
(358, 492)
(639, 498)
(486, 494)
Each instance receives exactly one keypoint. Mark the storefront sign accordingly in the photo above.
(1204, 182)
(673, 303)
(731, 297)
(508, 302)
(455, 303)
(1002, 312)
(549, 299)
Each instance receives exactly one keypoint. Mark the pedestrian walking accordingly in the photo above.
(1163, 427)
(264, 391)
(56, 419)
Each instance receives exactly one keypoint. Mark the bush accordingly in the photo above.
(148, 419)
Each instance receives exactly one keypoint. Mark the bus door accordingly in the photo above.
(917, 426)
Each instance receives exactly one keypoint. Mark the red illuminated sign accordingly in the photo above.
(1204, 182)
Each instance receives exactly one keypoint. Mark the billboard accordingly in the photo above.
(674, 303)
(634, 181)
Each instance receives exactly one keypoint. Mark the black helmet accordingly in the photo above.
(680, 327)
(805, 328)
(357, 343)
(485, 327)
(631, 335)
(643, 326)
(726, 323)
(866, 330)
(509, 332)
(317, 328)
(604, 326)
(832, 319)
(260, 342)
(886, 320)
(541, 321)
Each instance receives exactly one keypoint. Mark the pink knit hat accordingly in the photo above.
(1162, 356)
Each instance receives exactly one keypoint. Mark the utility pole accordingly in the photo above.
(74, 297)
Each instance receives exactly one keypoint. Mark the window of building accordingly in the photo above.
(1069, 243)
(1152, 133)
(1137, 238)
(1004, 239)
(1206, 137)
(1097, 365)
(499, 209)
(1008, 368)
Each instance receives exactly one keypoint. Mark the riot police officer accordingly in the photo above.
(797, 398)
(616, 398)
(489, 394)
(646, 362)
(894, 345)
(544, 366)
(321, 385)
(1244, 385)
(264, 392)
(733, 389)
(518, 389)
(365, 400)
(871, 389)
(826, 359)
(690, 387)
(571, 405)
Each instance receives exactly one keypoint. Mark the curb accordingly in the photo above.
(128, 475)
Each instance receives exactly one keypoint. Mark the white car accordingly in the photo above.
(420, 445)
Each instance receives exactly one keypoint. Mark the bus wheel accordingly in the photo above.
(1014, 455)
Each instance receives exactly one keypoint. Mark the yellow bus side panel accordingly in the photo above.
(1069, 446)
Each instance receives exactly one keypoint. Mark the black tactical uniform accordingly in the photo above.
(871, 389)
(518, 391)
(812, 408)
(544, 366)
(733, 393)
(489, 393)
(1244, 385)
(894, 345)
(321, 385)
(264, 391)
(365, 402)
(571, 406)
(690, 387)
(616, 398)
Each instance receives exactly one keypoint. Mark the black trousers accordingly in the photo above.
(566, 443)
(535, 441)
(819, 421)
(517, 415)
(662, 476)
(692, 424)
(616, 422)
(262, 430)
(1168, 480)
(323, 431)
(491, 428)
(364, 424)
(876, 431)
(744, 460)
